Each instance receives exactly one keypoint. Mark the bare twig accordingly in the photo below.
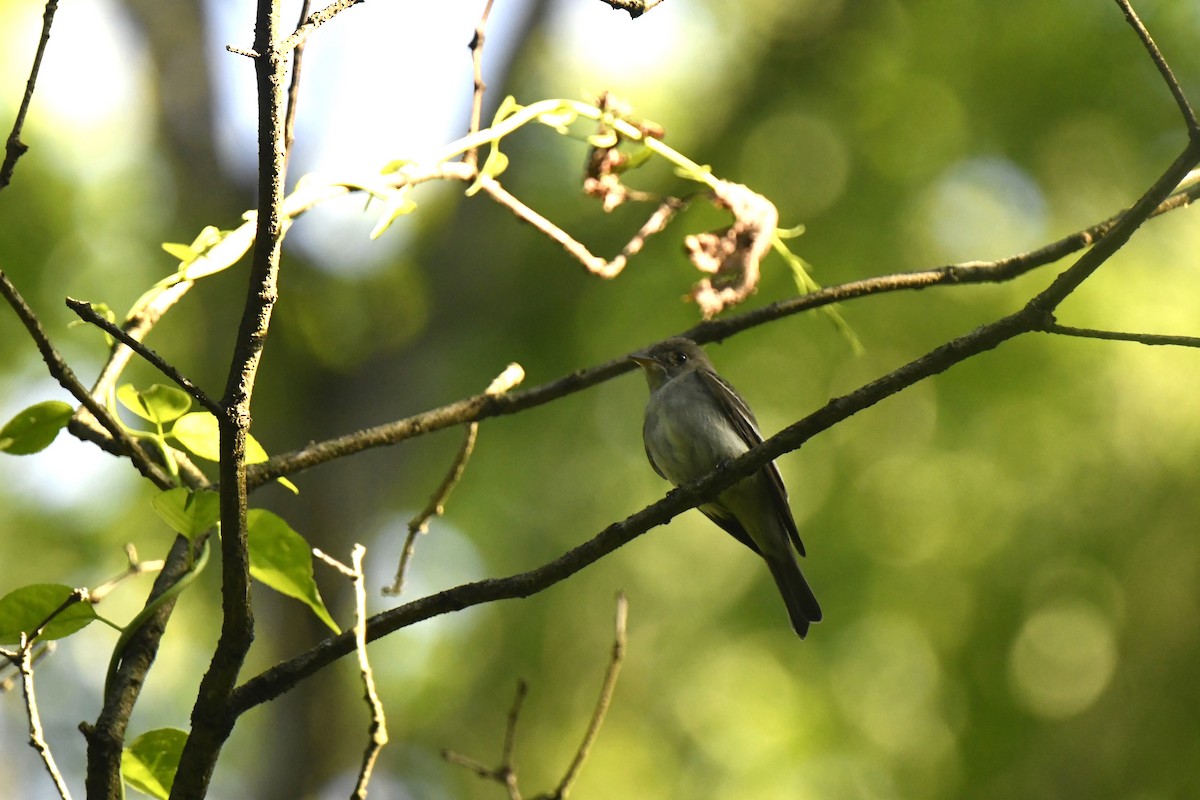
(506, 380)
(314, 21)
(1164, 69)
(134, 567)
(602, 703)
(506, 773)
(293, 95)
(471, 157)
(39, 651)
(378, 727)
(88, 314)
(65, 376)
(14, 148)
(1117, 336)
(37, 738)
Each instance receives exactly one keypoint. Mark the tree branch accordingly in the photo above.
(14, 148)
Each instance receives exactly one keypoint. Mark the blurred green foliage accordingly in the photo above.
(1006, 554)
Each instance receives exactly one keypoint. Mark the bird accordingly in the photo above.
(695, 421)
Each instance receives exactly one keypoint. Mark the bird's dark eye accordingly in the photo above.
(679, 358)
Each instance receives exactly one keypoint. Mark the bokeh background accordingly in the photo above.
(1007, 554)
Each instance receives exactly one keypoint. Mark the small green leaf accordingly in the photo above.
(508, 107)
(494, 165)
(395, 166)
(199, 433)
(397, 204)
(159, 404)
(150, 761)
(180, 251)
(280, 558)
(23, 609)
(34, 428)
(188, 512)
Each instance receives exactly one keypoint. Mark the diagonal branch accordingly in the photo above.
(14, 148)
(479, 407)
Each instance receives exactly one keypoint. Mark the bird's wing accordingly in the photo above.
(747, 427)
(730, 524)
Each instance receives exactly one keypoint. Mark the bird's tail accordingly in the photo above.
(802, 605)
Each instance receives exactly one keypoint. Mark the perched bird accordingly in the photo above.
(694, 421)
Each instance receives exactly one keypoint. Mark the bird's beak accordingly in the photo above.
(642, 360)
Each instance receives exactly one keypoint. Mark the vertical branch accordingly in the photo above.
(293, 96)
(602, 704)
(472, 156)
(212, 716)
(23, 660)
(378, 727)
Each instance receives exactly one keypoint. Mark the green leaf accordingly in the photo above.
(396, 166)
(22, 610)
(188, 512)
(282, 559)
(397, 204)
(34, 428)
(508, 107)
(200, 434)
(180, 251)
(149, 763)
(159, 404)
(494, 165)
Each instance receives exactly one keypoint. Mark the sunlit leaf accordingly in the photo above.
(149, 763)
(180, 251)
(199, 433)
(23, 609)
(34, 428)
(397, 204)
(282, 559)
(188, 512)
(160, 404)
(494, 165)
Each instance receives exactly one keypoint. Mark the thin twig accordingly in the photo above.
(14, 148)
(293, 95)
(88, 314)
(506, 773)
(1164, 69)
(40, 650)
(1118, 336)
(314, 21)
(378, 727)
(593, 263)
(602, 704)
(135, 566)
(37, 737)
(512, 375)
(471, 157)
(66, 378)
